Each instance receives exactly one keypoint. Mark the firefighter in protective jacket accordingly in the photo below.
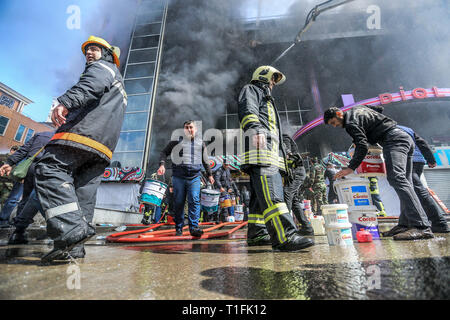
(89, 117)
(263, 157)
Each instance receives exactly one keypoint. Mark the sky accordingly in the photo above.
(41, 56)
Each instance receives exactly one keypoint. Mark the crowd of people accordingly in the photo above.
(63, 180)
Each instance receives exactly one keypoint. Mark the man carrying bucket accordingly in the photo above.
(366, 126)
(263, 157)
(226, 185)
(188, 156)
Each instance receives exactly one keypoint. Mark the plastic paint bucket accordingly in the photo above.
(153, 192)
(365, 219)
(334, 213)
(354, 192)
(317, 223)
(373, 164)
(239, 212)
(209, 200)
(225, 201)
(340, 234)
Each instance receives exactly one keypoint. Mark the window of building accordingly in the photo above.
(145, 42)
(3, 125)
(149, 17)
(140, 70)
(144, 55)
(131, 141)
(138, 86)
(19, 133)
(147, 29)
(128, 159)
(135, 121)
(30, 134)
(138, 103)
(7, 101)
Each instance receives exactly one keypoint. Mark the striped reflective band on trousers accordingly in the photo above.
(272, 214)
(56, 211)
(83, 140)
(256, 218)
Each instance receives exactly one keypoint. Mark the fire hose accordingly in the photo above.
(146, 235)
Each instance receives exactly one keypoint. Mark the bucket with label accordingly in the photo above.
(209, 200)
(339, 234)
(354, 192)
(239, 212)
(153, 192)
(225, 201)
(334, 213)
(373, 164)
(365, 219)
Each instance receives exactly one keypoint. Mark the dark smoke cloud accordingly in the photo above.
(205, 53)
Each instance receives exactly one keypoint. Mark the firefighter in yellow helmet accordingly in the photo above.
(263, 158)
(89, 117)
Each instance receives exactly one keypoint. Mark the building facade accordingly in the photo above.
(15, 128)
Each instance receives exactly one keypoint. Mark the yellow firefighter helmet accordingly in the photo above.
(115, 51)
(265, 73)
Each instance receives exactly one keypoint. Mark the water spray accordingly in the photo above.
(311, 17)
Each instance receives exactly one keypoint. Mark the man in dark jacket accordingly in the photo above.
(89, 117)
(291, 187)
(424, 155)
(269, 221)
(367, 126)
(29, 149)
(10, 192)
(188, 155)
(226, 185)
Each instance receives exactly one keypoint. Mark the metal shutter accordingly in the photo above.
(438, 180)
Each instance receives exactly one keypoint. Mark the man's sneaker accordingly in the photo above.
(414, 234)
(440, 229)
(18, 238)
(196, 232)
(179, 232)
(395, 230)
(295, 243)
(259, 241)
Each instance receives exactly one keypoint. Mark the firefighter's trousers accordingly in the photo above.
(268, 212)
(67, 179)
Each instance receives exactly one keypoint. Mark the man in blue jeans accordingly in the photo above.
(188, 155)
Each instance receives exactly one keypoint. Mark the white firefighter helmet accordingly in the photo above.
(265, 73)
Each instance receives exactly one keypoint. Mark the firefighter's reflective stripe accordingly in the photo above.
(256, 219)
(108, 68)
(56, 211)
(85, 141)
(249, 118)
(262, 157)
(119, 86)
(272, 117)
(374, 186)
(272, 214)
(266, 191)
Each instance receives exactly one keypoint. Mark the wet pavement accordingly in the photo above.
(228, 269)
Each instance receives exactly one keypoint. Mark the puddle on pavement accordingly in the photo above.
(424, 278)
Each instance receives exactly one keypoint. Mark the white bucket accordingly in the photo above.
(239, 212)
(317, 223)
(340, 234)
(354, 192)
(230, 219)
(334, 213)
(209, 200)
(365, 219)
(153, 192)
(373, 164)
